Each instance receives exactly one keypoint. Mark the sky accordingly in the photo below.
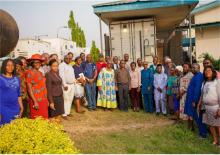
(44, 17)
(36, 18)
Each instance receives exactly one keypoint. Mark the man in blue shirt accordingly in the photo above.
(192, 99)
(147, 80)
(90, 73)
(83, 57)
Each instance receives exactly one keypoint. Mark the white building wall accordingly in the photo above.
(59, 46)
(28, 47)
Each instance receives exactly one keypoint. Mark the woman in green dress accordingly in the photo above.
(172, 91)
(107, 88)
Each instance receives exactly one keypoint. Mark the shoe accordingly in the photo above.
(165, 115)
(89, 109)
(70, 115)
(215, 143)
(65, 117)
(157, 113)
(94, 109)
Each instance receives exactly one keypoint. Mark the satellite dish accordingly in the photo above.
(9, 33)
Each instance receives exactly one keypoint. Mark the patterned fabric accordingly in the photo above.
(24, 94)
(100, 65)
(209, 116)
(184, 83)
(172, 85)
(38, 82)
(193, 93)
(107, 96)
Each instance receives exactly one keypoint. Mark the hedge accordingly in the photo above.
(26, 136)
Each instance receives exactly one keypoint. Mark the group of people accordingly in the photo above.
(42, 86)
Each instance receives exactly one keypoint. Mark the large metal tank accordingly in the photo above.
(9, 33)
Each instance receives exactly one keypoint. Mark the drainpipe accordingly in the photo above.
(100, 30)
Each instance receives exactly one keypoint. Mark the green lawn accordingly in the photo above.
(118, 132)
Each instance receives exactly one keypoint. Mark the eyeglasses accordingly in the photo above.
(206, 63)
(37, 62)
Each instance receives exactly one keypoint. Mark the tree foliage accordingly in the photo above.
(216, 62)
(94, 51)
(77, 33)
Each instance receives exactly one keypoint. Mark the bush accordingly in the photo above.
(215, 61)
(26, 136)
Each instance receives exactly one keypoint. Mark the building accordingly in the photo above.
(59, 46)
(145, 28)
(28, 47)
(207, 29)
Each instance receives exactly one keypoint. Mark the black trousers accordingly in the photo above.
(123, 91)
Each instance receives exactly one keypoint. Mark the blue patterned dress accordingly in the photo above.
(107, 96)
(9, 93)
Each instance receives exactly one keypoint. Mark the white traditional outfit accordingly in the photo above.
(184, 83)
(67, 75)
(160, 80)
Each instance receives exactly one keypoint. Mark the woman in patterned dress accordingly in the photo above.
(210, 102)
(107, 88)
(36, 84)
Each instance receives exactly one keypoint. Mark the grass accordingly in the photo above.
(118, 132)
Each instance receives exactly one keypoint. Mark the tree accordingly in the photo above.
(94, 51)
(215, 62)
(77, 33)
(72, 25)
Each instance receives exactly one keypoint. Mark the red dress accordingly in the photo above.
(38, 83)
(100, 65)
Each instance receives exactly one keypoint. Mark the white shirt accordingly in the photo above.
(127, 65)
(66, 73)
(160, 80)
(185, 80)
(115, 66)
(140, 68)
(211, 92)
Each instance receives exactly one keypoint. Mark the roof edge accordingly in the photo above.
(141, 4)
(206, 7)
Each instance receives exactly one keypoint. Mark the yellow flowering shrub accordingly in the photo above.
(26, 136)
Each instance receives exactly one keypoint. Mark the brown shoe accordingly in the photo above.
(65, 117)
(70, 115)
